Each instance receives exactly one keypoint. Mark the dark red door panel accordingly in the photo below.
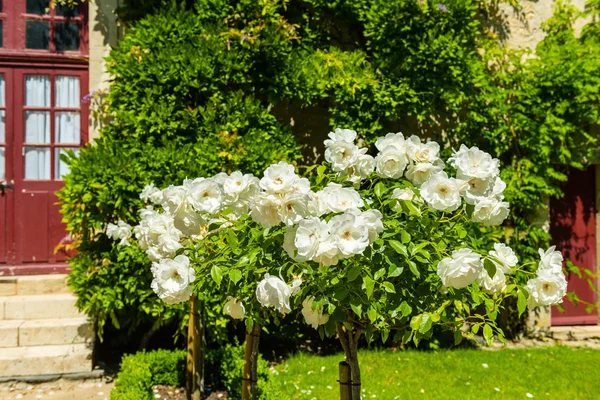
(573, 229)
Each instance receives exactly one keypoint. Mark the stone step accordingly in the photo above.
(575, 332)
(43, 332)
(42, 306)
(45, 360)
(26, 285)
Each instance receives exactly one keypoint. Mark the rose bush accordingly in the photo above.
(381, 244)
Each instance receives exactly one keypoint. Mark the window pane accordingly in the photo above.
(37, 127)
(2, 90)
(39, 7)
(67, 127)
(37, 163)
(37, 90)
(2, 125)
(67, 92)
(2, 162)
(60, 167)
(36, 34)
(66, 11)
(67, 36)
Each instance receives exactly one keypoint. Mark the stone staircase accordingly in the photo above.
(41, 331)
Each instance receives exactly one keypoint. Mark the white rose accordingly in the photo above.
(474, 163)
(295, 286)
(153, 254)
(234, 308)
(391, 140)
(273, 292)
(173, 198)
(391, 162)
(341, 135)
(206, 196)
(492, 285)
(362, 168)
(168, 244)
(403, 194)
(334, 199)
(279, 178)
(313, 315)
(371, 219)
(441, 193)
(312, 240)
(264, 209)
(419, 173)
(121, 230)
(289, 245)
(418, 152)
(146, 212)
(172, 279)
(475, 189)
(460, 270)
(302, 185)
(238, 186)
(151, 194)
(546, 289)
(188, 221)
(341, 155)
(551, 260)
(350, 236)
(153, 226)
(490, 211)
(504, 257)
(295, 207)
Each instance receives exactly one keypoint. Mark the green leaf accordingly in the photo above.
(369, 285)
(394, 271)
(415, 322)
(398, 247)
(426, 324)
(216, 274)
(379, 189)
(405, 309)
(235, 275)
(232, 240)
(354, 272)
(385, 333)
(372, 314)
(379, 274)
(413, 267)
(388, 287)
(490, 267)
(457, 337)
(488, 334)
(357, 309)
(321, 170)
(405, 237)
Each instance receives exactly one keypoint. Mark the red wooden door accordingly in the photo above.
(48, 120)
(573, 229)
(6, 170)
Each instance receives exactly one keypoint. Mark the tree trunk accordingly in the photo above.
(250, 375)
(349, 341)
(195, 355)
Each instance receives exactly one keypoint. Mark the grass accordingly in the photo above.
(545, 373)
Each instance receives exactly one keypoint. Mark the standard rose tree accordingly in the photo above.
(384, 244)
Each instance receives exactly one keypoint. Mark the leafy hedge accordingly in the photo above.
(218, 85)
(141, 371)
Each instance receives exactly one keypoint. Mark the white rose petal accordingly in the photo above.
(313, 315)
(274, 292)
(172, 279)
(551, 260)
(206, 196)
(234, 308)
(334, 199)
(546, 289)
(350, 236)
(460, 270)
(265, 209)
(504, 257)
(391, 162)
(279, 178)
(441, 193)
(490, 211)
(474, 163)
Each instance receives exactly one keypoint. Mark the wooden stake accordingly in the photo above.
(189, 380)
(345, 381)
(250, 373)
(198, 349)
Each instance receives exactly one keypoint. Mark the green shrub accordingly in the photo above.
(223, 369)
(140, 371)
(224, 85)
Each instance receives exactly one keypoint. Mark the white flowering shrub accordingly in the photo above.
(377, 245)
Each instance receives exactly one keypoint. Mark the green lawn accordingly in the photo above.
(549, 373)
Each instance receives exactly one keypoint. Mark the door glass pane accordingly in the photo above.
(67, 92)
(1, 162)
(37, 163)
(67, 36)
(37, 90)
(66, 11)
(39, 7)
(60, 167)
(37, 127)
(66, 125)
(37, 34)
(2, 125)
